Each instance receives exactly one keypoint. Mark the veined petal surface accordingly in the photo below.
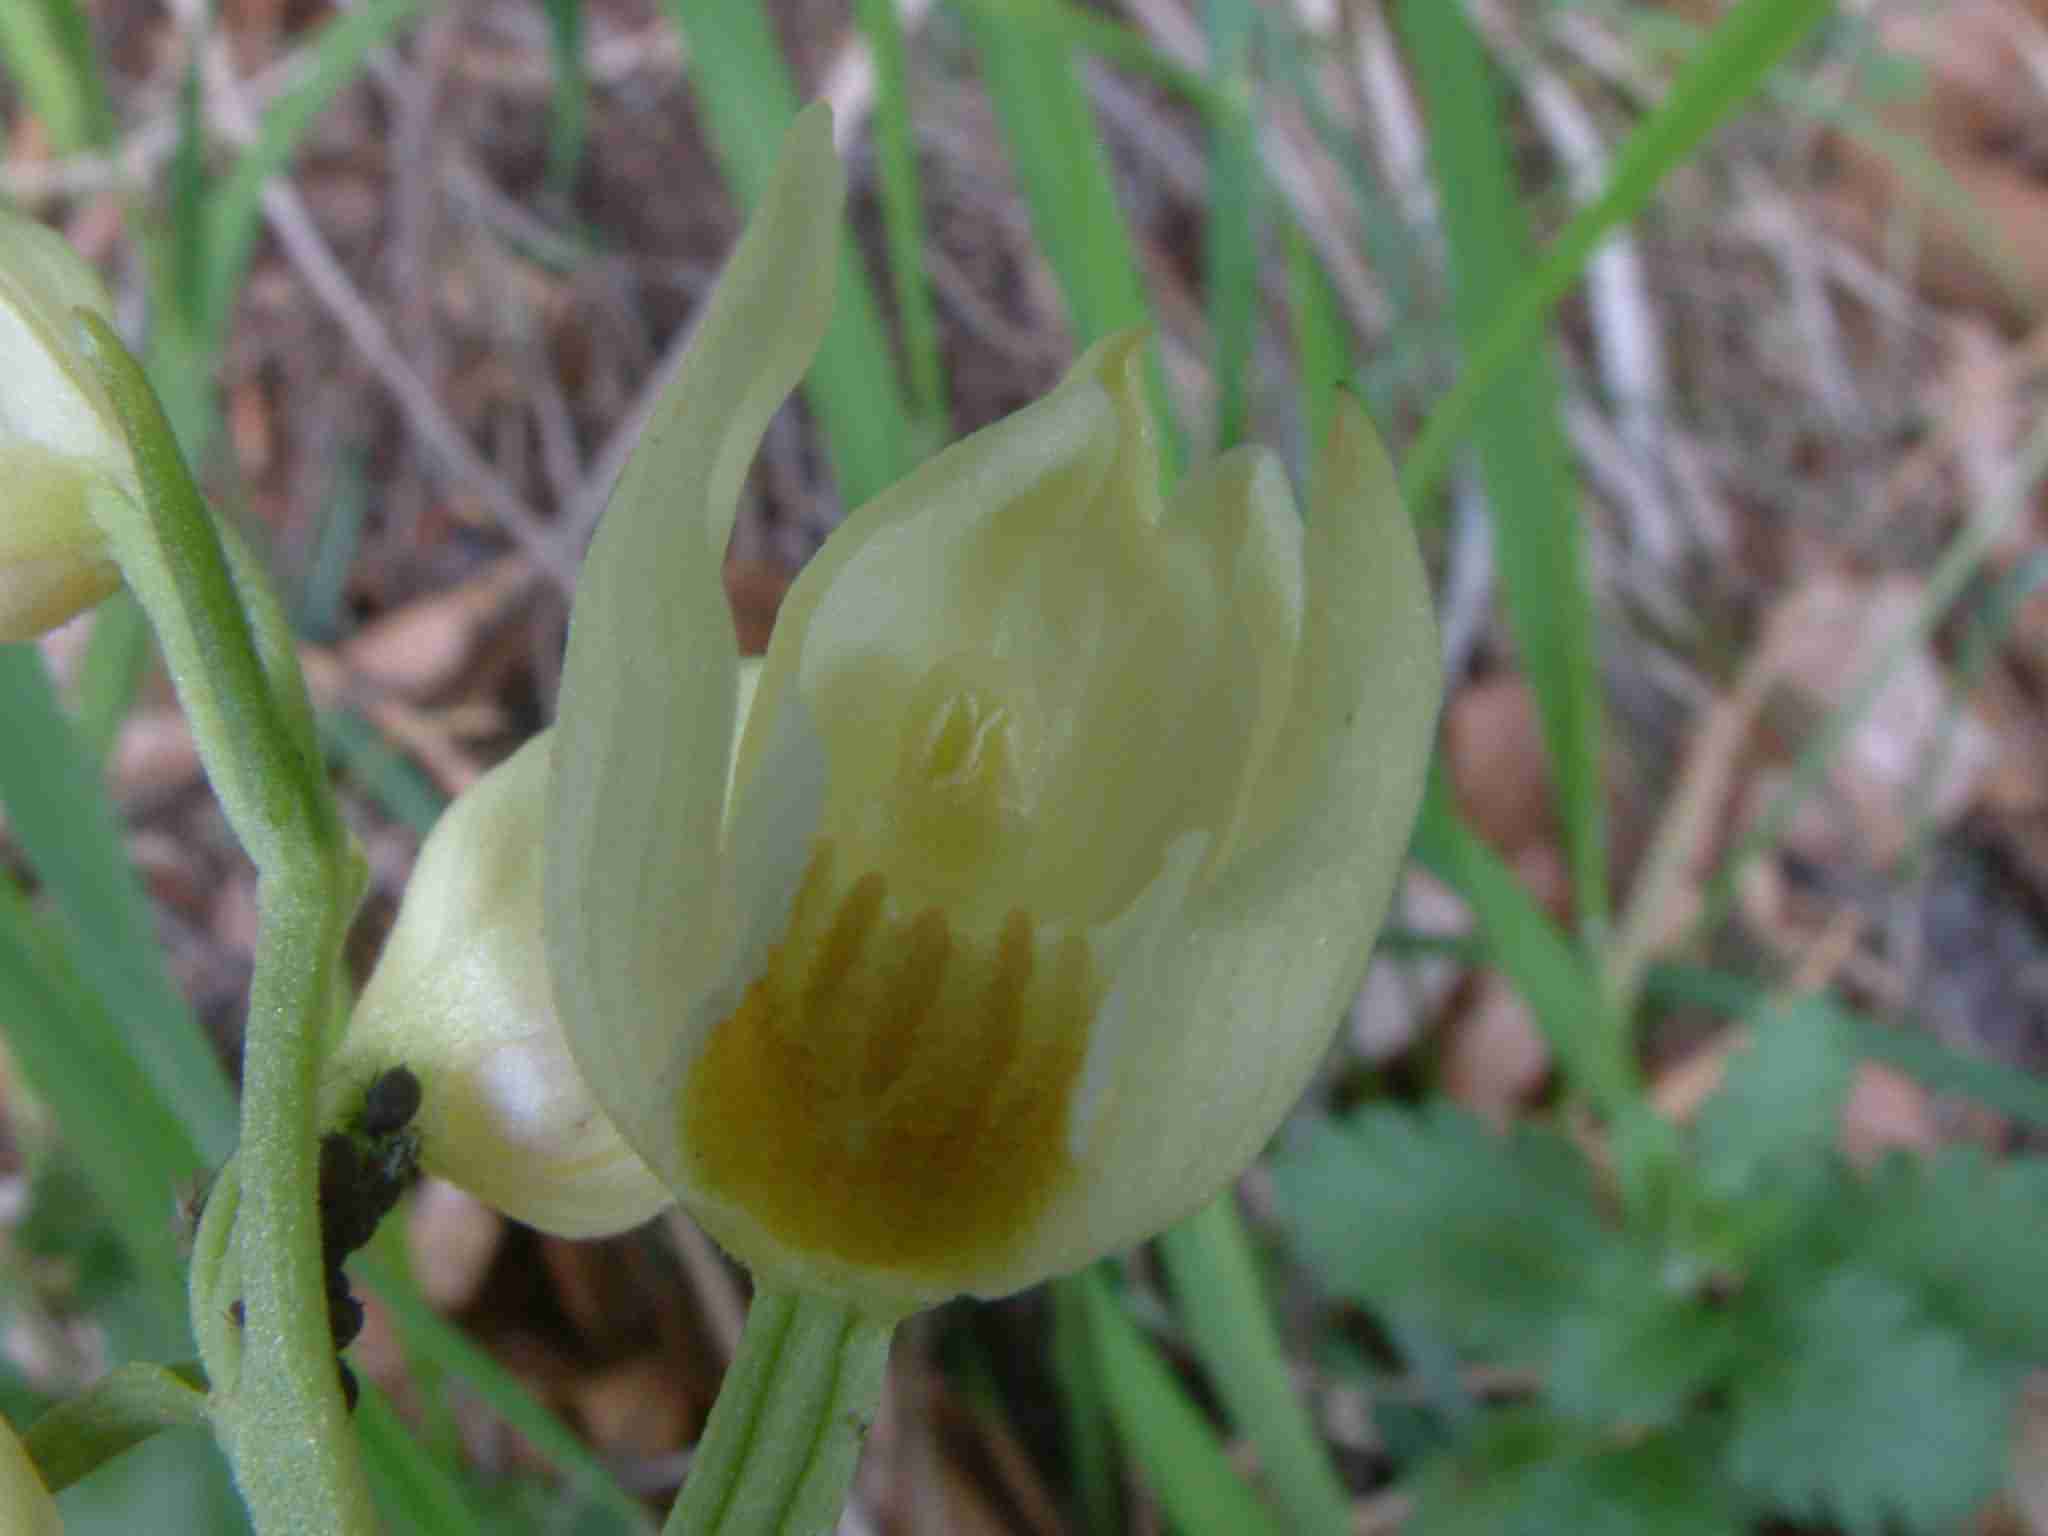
(1052, 718)
(1217, 1028)
(637, 915)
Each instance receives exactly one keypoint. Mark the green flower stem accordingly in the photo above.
(279, 1414)
(120, 1410)
(262, 762)
(778, 1454)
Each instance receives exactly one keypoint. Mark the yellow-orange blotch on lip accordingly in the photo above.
(891, 1091)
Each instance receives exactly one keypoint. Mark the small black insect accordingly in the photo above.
(364, 1170)
(344, 1318)
(352, 1198)
(390, 1102)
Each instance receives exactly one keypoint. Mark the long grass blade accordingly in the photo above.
(333, 60)
(430, 1338)
(903, 222)
(1230, 251)
(1721, 74)
(743, 87)
(1063, 170)
(1216, 1291)
(61, 817)
(132, 1150)
(1530, 950)
(47, 48)
(1530, 482)
(1184, 1462)
(569, 107)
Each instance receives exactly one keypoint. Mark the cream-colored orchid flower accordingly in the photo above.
(60, 443)
(26, 1508)
(461, 997)
(1056, 836)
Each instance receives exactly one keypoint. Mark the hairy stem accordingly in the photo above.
(230, 654)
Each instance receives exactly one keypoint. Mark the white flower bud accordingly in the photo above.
(461, 996)
(60, 445)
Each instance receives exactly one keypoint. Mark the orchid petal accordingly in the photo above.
(636, 914)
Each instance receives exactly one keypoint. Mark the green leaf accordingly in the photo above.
(1642, 1344)
(1970, 1237)
(1430, 1215)
(1766, 1138)
(115, 1414)
(1868, 1412)
(1528, 1473)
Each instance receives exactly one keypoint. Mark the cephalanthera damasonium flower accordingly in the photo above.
(61, 445)
(1001, 923)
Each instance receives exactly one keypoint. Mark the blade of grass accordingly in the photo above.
(320, 612)
(1531, 951)
(112, 669)
(1091, 1465)
(2022, 1095)
(1851, 113)
(428, 1336)
(60, 815)
(1719, 76)
(569, 107)
(1106, 38)
(414, 1489)
(1530, 483)
(47, 48)
(1945, 584)
(383, 772)
(1392, 244)
(1183, 1459)
(903, 223)
(1063, 169)
(1322, 345)
(132, 1150)
(1216, 1291)
(233, 209)
(1988, 628)
(742, 86)
(1230, 255)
